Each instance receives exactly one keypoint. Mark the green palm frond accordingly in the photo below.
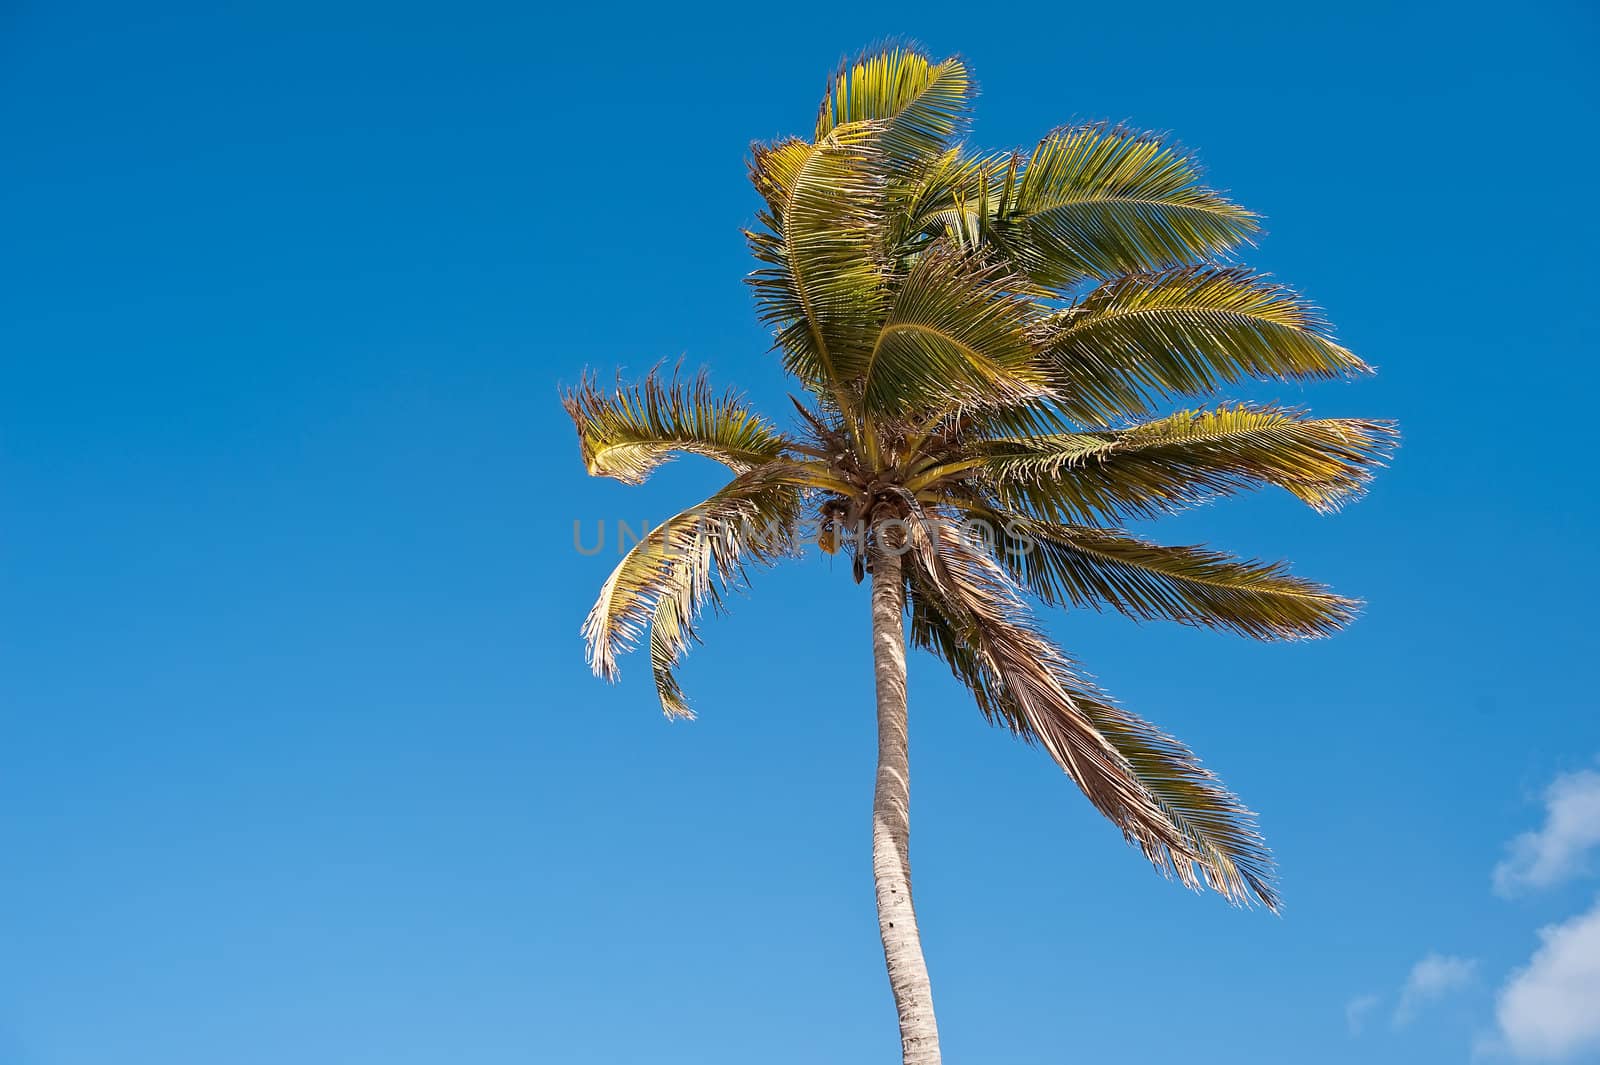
(677, 568)
(915, 105)
(951, 199)
(1087, 566)
(956, 333)
(1147, 337)
(1187, 458)
(1098, 201)
(824, 283)
(627, 432)
(1148, 784)
(774, 169)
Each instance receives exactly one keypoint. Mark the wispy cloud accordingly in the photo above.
(1357, 1010)
(1547, 1011)
(1559, 849)
(1431, 979)
(1550, 1009)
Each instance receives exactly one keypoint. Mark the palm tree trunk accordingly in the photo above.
(891, 822)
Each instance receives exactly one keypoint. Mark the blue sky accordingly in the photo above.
(299, 759)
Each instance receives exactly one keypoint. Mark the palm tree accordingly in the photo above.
(986, 343)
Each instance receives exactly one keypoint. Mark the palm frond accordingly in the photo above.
(1085, 566)
(774, 168)
(629, 431)
(952, 198)
(1097, 202)
(1148, 337)
(677, 569)
(955, 331)
(914, 104)
(1186, 458)
(671, 632)
(1147, 783)
(824, 280)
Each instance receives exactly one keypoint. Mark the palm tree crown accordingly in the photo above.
(996, 341)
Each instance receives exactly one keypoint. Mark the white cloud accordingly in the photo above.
(1432, 978)
(1558, 850)
(1356, 1011)
(1550, 1010)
